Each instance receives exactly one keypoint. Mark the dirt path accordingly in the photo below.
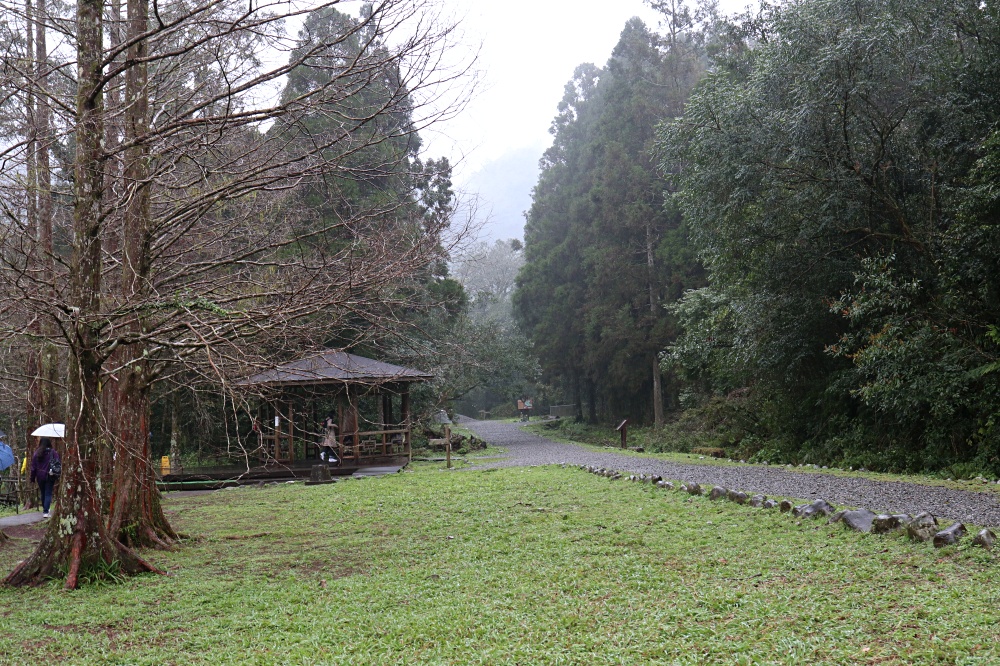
(526, 449)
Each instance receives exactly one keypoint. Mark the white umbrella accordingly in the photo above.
(50, 430)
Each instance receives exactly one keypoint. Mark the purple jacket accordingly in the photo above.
(40, 464)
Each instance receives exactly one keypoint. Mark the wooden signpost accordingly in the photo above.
(447, 444)
(623, 429)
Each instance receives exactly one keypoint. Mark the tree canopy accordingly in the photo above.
(603, 246)
(833, 167)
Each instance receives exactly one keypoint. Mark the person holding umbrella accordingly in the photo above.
(46, 466)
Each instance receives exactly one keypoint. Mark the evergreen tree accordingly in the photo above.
(601, 240)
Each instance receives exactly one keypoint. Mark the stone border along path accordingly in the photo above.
(526, 449)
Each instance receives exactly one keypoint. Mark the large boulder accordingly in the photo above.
(716, 493)
(785, 506)
(739, 497)
(694, 489)
(665, 484)
(985, 539)
(885, 523)
(769, 504)
(757, 501)
(923, 527)
(949, 536)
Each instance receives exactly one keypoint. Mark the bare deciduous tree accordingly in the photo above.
(204, 254)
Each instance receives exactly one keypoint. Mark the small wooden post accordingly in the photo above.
(623, 429)
(447, 444)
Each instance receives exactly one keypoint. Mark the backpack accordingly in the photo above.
(55, 465)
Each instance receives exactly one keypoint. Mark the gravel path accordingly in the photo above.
(880, 496)
(21, 519)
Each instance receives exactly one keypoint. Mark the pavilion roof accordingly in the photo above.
(335, 367)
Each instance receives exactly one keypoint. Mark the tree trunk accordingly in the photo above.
(592, 398)
(42, 367)
(77, 541)
(32, 364)
(52, 407)
(657, 376)
(175, 444)
(111, 232)
(577, 396)
(136, 514)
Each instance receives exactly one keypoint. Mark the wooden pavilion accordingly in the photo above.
(360, 392)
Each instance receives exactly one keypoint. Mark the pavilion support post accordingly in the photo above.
(291, 433)
(404, 416)
(351, 419)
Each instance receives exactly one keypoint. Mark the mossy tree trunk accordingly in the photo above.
(77, 543)
(136, 515)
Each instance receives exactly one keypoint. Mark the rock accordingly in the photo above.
(731, 495)
(683, 488)
(859, 520)
(785, 506)
(884, 523)
(739, 497)
(949, 536)
(923, 527)
(655, 478)
(615, 476)
(665, 484)
(985, 539)
(835, 518)
(694, 489)
(769, 504)
(757, 501)
(319, 474)
(632, 477)
(716, 493)
(814, 509)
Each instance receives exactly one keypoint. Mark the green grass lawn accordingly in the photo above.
(515, 566)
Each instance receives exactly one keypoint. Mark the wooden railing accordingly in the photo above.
(374, 443)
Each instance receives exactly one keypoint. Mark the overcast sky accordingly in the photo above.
(529, 51)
